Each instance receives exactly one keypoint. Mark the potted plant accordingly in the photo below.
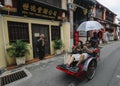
(18, 50)
(57, 45)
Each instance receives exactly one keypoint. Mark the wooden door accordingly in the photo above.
(36, 31)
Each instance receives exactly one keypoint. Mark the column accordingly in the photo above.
(94, 11)
(71, 8)
(104, 14)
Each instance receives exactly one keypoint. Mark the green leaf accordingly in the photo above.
(18, 49)
(57, 44)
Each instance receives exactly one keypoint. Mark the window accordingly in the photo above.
(55, 31)
(18, 30)
(109, 16)
(14, 3)
(99, 13)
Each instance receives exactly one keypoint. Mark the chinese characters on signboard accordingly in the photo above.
(39, 10)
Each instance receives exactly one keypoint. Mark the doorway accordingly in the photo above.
(38, 29)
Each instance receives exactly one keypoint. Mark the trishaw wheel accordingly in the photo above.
(91, 70)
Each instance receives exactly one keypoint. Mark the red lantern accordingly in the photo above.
(76, 37)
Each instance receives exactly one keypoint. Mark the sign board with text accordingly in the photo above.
(30, 8)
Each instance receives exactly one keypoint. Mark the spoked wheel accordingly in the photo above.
(91, 70)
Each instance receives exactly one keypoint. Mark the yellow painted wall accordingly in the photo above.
(64, 4)
(2, 49)
(66, 35)
(65, 28)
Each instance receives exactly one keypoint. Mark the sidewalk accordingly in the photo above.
(28, 62)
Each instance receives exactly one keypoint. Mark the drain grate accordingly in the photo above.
(12, 77)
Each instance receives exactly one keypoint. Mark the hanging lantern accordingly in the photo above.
(76, 37)
(8, 5)
(63, 14)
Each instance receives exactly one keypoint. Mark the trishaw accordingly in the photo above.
(87, 68)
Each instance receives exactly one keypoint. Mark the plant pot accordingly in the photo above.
(20, 60)
(58, 51)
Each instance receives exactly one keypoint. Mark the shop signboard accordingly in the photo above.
(30, 8)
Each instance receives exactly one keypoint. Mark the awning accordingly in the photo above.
(99, 20)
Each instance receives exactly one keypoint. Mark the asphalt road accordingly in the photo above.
(45, 73)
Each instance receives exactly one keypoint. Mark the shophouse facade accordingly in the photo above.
(27, 19)
(107, 18)
(87, 9)
(82, 12)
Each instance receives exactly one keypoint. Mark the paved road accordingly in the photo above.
(45, 73)
(106, 68)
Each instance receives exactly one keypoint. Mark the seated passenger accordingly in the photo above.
(77, 49)
(88, 51)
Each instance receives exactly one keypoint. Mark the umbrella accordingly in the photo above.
(89, 25)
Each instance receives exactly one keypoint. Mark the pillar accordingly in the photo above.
(71, 8)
